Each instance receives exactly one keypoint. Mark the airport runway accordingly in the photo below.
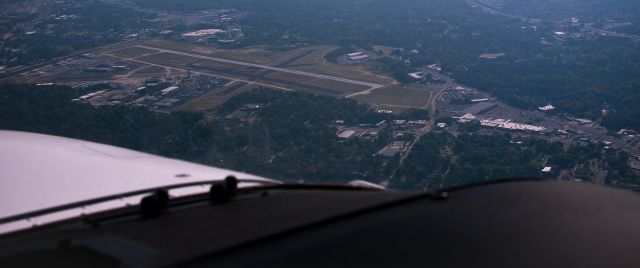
(267, 67)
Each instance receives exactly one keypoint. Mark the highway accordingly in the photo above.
(267, 67)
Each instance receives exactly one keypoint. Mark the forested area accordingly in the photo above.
(591, 10)
(96, 23)
(441, 160)
(291, 137)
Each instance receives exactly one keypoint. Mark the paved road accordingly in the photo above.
(267, 67)
(431, 106)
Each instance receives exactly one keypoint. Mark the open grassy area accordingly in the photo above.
(179, 46)
(258, 55)
(131, 52)
(149, 71)
(210, 102)
(169, 59)
(315, 63)
(397, 96)
(216, 64)
(312, 62)
(315, 56)
(395, 109)
(85, 76)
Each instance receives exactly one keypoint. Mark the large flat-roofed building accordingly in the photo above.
(547, 108)
(508, 125)
(203, 32)
(358, 58)
(465, 118)
(347, 134)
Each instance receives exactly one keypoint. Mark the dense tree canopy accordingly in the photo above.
(291, 137)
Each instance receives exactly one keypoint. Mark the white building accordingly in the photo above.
(347, 134)
(168, 90)
(416, 75)
(508, 125)
(358, 58)
(583, 121)
(203, 32)
(435, 67)
(465, 118)
(547, 108)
